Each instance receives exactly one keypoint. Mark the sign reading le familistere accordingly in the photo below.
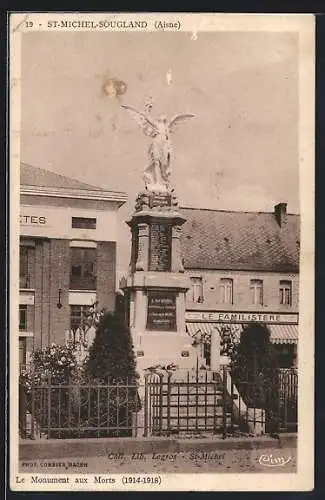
(241, 317)
(161, 311)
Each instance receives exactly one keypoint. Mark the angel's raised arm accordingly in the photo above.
(147, 126)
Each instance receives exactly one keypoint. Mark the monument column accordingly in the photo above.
(177, 265)
(156, 283)
(143, 236)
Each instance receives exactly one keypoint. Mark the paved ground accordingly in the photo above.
(195, 461)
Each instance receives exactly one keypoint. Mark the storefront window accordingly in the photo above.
(257, 292)
(285, 355)
(83, 274)
(226, 291)
(76, 314)
(285, 293)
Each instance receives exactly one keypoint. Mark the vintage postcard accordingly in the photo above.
(161, 252)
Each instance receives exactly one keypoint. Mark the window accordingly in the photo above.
(22, 317)
(226, 291)
(83, 272)
(197, 289)
(22, 352)
(285, 293)
(83, 223)
(76, 314)
(23, 267)
(257, 292)
(285, 354)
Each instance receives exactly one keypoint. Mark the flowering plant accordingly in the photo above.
(93, 315)
(169, 368)
(229, 339)
(57, 362)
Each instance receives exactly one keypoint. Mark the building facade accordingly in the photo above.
(244, 267)
(68, 233)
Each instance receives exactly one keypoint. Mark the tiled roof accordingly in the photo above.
(34, 176)
(216, 239)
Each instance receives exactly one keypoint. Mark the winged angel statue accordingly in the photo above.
(160, 152)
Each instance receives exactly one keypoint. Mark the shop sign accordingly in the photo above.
(241, 317)
(32, 220)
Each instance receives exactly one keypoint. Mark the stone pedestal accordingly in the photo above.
(156, 284)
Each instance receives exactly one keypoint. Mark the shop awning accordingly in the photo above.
(280, 334)
(284, 334)
(195, 328)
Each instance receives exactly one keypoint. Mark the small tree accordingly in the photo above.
(255, 371)
(111, 356)
(112, 362)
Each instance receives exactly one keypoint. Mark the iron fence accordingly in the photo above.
(288, 399)
(193, 404)
(164, 404)
(73, 410)
(269, 403)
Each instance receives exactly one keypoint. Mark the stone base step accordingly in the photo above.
(213, 423)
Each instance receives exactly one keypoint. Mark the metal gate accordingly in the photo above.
(191, 403)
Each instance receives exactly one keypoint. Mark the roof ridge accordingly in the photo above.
(233, 211)
(64, 178)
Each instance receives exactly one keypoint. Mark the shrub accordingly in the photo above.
(40, 387)
(255, 371)
(111, 361)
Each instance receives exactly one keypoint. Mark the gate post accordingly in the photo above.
(152, 410)
(145, 406)
(168, 402)
(224, 402)
(145, 409)
(161, 403)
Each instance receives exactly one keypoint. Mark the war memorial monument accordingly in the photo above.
(156, 283)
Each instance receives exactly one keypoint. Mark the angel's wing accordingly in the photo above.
(148, 127)
(177, 120)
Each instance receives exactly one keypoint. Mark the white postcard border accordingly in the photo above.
(193, 23)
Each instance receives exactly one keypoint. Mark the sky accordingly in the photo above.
(239, 152)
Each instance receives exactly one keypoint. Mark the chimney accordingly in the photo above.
(280, 212)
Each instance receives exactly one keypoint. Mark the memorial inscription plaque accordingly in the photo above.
(161, 311)
(160, 247)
